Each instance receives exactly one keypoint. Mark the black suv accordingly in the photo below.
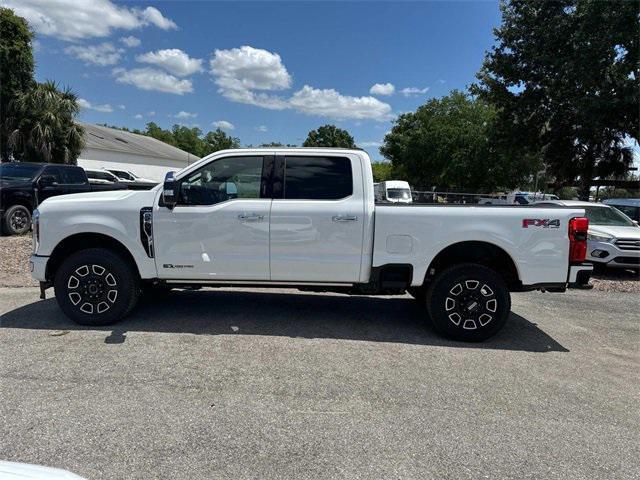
(24, 185)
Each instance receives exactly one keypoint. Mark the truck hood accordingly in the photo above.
(97, 201)
(616, 232)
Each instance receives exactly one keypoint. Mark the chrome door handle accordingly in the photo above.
(345, 218)
(251, 217)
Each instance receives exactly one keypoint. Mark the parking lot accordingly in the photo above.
(239, 383)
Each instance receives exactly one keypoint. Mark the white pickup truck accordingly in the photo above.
(307, 219)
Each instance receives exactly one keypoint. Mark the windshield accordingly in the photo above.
(402, 193)
(101, 176)
(122, 174)
(17, 171)
(607, 216)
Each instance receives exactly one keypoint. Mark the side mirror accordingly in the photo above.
(47, 180)
(169, 193)
(635, 222)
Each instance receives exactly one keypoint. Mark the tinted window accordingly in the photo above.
(317, 178)
(18, 171)
(73, 176)
(55, 172)
(221, 180)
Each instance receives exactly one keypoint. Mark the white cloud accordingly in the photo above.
(138, 116)
(87, 105)
(261, 128)
(240, 71)
(223, 124)
(382, 89)
(78, 19)
(153, 16)
(152, 79)
(102, 54)
(173, 60)
(130, 41)
(414, 91)
(369, 144)
(121, 107)
(246, 74)
(182, 114)
(152, 113)
(330, 103)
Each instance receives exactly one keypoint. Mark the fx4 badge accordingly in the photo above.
(171, 265)
(541, 222)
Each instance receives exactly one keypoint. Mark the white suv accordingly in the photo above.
(613, 238)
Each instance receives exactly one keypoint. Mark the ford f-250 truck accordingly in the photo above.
(302, 218)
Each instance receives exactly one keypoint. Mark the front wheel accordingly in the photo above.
(468, 302)
(96, 287)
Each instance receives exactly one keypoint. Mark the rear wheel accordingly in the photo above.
(17, 220)
(96, 287)
(468, 302)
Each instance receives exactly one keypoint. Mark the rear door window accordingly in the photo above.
(73, 176)
(317, 178)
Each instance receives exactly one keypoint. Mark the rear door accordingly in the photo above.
(317, 218)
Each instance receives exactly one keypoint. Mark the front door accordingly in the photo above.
(219, 228)
(317, 219)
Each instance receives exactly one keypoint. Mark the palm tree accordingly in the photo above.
(42, 125)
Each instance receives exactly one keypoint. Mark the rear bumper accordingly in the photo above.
(38, 267)
(579, 275)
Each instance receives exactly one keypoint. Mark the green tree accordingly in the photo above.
(329, 136)
(188, 139)
(16, 68)
(448, 142)
(382, 171)
(42, 126)
(155, 131)
(564, 76)
(219, 140)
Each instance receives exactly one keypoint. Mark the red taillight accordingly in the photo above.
(578, 227)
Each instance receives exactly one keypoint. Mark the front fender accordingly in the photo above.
(56, 229)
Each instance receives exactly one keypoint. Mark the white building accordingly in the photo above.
(108, 148)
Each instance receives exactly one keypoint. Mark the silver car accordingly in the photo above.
(613, 238)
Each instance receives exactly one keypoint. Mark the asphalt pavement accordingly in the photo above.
(265, 384)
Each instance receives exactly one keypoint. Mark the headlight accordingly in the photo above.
(599, 238)
(35, 220)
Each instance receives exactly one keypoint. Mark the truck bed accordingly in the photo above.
(414, 234)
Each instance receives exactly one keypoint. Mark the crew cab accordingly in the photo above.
(23, 185)
(307, 219)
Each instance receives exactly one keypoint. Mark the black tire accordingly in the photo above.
(85, 282)
(419, 294)
(468, 302)
(17, 220)
(599, 268)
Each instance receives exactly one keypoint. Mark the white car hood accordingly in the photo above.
(99, 200)
(27, 471)
(617, 232)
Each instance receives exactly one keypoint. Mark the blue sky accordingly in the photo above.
(266, 71)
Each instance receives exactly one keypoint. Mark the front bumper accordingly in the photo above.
(611, 255)
(38, 267)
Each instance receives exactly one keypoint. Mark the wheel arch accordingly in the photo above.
(480, 252)
(81, 241)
